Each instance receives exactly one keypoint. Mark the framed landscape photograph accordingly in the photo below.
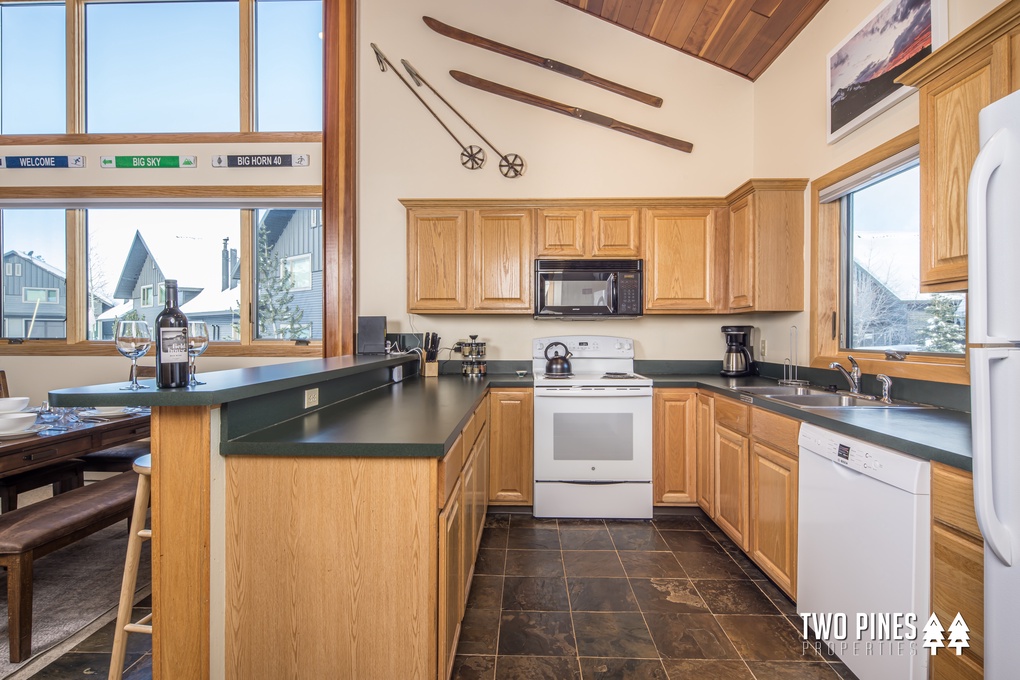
(861, 70)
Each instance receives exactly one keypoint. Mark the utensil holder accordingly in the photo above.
(431, 369)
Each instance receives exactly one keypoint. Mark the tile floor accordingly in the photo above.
(591, 599)
(663, 599)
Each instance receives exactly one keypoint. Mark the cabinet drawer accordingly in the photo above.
(775, 429)
(482, 415)
(731, 414)
(470, 433)
(952, 493)
(449, 470)
(122, 435)
(42, 455)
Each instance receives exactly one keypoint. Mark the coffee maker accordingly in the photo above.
(737, 360)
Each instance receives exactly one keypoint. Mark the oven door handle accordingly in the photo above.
(600, 482)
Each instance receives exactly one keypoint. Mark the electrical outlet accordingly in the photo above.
(764, 348)
(312, 397)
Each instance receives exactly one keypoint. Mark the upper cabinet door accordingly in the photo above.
(682, 267)
(437, 257)
(742, 254)
(560, 233)
(615, 233)
(501, 243)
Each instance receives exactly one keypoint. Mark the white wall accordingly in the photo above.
(403, 153)
(790, 102)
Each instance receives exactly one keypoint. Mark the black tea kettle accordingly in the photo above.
(556, 364)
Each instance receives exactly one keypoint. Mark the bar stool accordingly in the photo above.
(138, 533)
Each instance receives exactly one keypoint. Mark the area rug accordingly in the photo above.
(74, 587)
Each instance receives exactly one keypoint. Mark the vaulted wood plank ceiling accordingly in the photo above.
(742, 36)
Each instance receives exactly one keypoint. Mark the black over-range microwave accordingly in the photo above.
(588, 289)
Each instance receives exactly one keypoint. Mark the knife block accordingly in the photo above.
(431, 369)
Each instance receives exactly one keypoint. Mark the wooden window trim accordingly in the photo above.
(338, 204)
(825, 283)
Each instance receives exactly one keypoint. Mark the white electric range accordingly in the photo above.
(593, 431)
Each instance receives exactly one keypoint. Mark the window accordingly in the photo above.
(32, 85)
(47, 296)
(17, 269)
(8, 269)
(146, 297)
(299, 269)
(866, 290)
(161, 296)
(288, 286)
(288, 65)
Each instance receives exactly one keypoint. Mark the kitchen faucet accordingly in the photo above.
(853, 376)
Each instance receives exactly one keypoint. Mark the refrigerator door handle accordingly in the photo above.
(997, 535)
(989, 159)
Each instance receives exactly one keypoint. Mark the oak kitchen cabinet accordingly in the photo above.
(955, 82)
(674, 413)
(705, 465)
(609, 232)
(766, 246)
(685, 259)
(957, 570)
(511, 446)
(731, 446)
(448, 246)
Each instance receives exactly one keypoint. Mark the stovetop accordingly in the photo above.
(591, 379)
(596, 360)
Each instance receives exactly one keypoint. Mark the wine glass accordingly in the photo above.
(133, 340)
(198, 343)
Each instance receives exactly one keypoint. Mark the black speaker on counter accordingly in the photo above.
(371, 335)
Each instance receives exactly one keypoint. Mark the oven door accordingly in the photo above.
(575, 293)
(586, 433)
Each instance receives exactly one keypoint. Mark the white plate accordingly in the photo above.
(122, 413)
(35, 429)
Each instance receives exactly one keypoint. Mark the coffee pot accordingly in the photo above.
(556, 364)
(737, 360)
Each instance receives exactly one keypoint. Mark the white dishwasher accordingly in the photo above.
(863, 558)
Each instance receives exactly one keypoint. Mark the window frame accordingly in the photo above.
(826, 291)
(338, 205)
(141, 297)
(55, 291)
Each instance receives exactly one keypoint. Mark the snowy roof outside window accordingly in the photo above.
(194, 261)
(213, 300)
(116, 312)
(37, 261)
(894, 260)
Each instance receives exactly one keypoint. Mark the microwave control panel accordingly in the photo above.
(630, 293)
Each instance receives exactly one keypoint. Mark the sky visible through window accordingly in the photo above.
(152, 67)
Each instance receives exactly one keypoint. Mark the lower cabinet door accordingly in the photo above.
(451, 579)
(705, 452)
(731, 484)
(673, 427)
(511, 446)
(773, 515)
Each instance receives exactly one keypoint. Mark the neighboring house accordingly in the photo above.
(295, 239)
(885, 319)
(35, 298)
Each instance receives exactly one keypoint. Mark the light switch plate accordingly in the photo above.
(312, 397)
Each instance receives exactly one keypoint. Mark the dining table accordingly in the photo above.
(67, 439)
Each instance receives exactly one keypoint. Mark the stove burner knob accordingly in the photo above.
(619, 345)
(593, 468)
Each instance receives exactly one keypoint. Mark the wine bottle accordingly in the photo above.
(171, 342)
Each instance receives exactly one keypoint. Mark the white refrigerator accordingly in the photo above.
(993, 305)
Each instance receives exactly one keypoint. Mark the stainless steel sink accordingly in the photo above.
(772, 390)
(829, 400)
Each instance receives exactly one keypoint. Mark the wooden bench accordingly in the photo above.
(64, 476)
(38, 529)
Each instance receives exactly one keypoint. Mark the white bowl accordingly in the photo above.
(106, 410)
(11, 423)
(13, 404)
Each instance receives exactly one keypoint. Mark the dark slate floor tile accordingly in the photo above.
(522, 521)
(778, 597)
(748, 567)
(139, 670)
(766, 638)
(101, 641)
(528, 538)
(534, 563)
(651, 565)
(486, 592)
(537, 668)
(613, 634)
(710, 565)
(689, 636)
(678, 523)
(581, 523)
(473, 668)
(479, 631)
(676, 595)
(81, 665)
(497, 520)
(615, 669)
(735, 597)
(691, 541)
(601, 595)
(706, 669)
(535, 593)
(145, 602)
(494, 537)
(792, 670)
(585, 539)
(637, 537)
(593, 563)
(536, 634)
(490, 561)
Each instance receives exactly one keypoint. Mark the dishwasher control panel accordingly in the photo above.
(892, 467)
